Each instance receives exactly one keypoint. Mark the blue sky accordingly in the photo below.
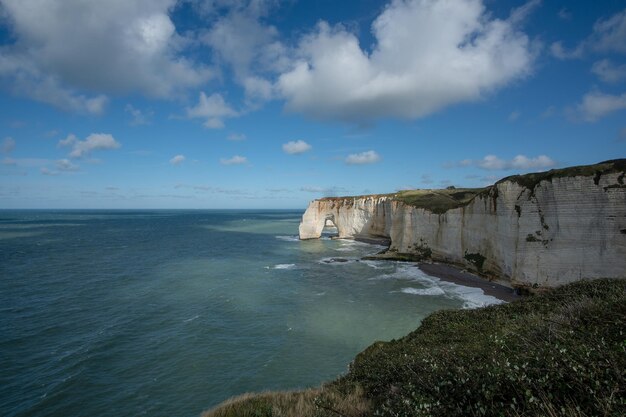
(270, 104)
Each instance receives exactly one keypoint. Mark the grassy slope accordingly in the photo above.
(557, 354)
(440, 201)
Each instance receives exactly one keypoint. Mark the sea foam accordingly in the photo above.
(470, 296)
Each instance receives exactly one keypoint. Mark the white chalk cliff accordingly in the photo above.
(541, 231)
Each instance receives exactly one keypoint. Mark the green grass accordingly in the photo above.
(530, 181)
(439, 201)
(562, 353)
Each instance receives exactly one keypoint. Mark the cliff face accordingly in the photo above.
(545, 233)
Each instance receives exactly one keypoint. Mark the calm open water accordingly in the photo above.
(167, 313)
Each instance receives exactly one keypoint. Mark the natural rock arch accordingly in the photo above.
(313, 223)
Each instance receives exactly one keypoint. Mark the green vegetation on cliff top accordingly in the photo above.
(440, 201)
(562, 353)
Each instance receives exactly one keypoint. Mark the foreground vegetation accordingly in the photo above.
(558, 354)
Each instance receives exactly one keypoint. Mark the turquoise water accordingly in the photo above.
(125, 313)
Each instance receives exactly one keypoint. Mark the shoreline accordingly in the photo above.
(446, 272)
(461, 277)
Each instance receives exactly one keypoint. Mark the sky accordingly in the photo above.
(218, 104)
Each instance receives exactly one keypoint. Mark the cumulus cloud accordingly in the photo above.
(213, 108)
(514, 115)
(139, 117)
(242, 41)
(564, 14)
(362, 158)
(559, 51)
(8, 144)
(236, 137)
(235, 160)
(609, 35)
(177, 160)
(427, 55)
(47, 171)
(94, 142)
(609, 72)
(596, 105)
(521, 162)
(296, 146)
(66, 165)
(63, 47)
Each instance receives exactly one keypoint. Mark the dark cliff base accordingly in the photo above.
(561, 353)
(453, 274)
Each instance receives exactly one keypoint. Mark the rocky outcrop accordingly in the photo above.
(537, 230)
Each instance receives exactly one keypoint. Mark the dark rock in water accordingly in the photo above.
(334, 260)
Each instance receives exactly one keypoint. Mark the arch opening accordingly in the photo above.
(330, 228)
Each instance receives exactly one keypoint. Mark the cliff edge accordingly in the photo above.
(535, 230)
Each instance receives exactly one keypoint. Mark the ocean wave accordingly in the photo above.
(288, 238)
(191, 319)
(284, 266)
(423, 291)
(376, 264)
(471, 297)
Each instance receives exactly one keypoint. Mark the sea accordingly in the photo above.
(168, 313)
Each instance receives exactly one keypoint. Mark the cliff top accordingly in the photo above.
(439, 201)
(530, 181)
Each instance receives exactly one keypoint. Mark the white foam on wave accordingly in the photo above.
(191, 319)
(288, 238)
(376, 264)
(284, 266)
(471, 297)
(345, 249)
(423, 291)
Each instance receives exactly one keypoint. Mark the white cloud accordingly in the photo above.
(368, 157)
(139, 117)
(565, 14)
(428, 55)
(242, 41)
(213, 108)
(609, 35)
(609, 72)
(66, 165)
(296, 146)
(328, 191)
(95, 141)
(514, 115)
(63, 47)
(521, 162)
(595, 105)
(558, 50)
(46, 171)
(177, 160)
(236, 137)
(8, 144)
(235, 160)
